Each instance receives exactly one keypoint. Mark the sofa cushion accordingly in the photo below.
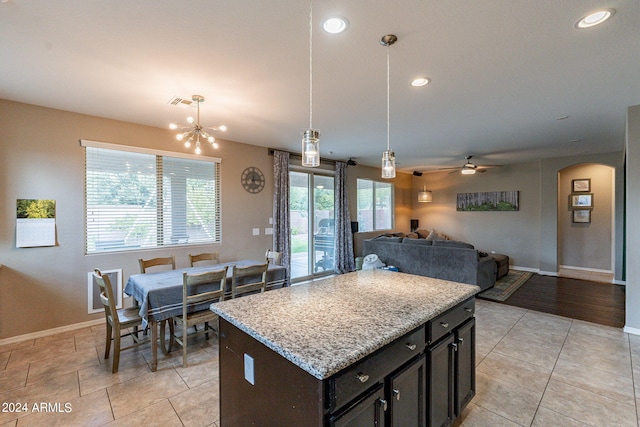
(453, 244)
(385, 238)
(435, 235)
(417, 241)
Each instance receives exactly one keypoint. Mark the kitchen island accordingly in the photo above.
(339, 351)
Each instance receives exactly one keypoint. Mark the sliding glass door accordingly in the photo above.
(312, 224)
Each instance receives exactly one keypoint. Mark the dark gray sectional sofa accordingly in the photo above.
(441, 259)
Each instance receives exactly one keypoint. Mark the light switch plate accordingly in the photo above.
(268, 230)
(256, 231)
(270, 220)
(248, 369)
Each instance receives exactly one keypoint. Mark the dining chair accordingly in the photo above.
(191, 296)
(117, 321)
(273, 257)
(154, 262)
(213, 257)
(248, 279)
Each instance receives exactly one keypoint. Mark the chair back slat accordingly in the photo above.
(153, 262)
(214, 257)
(106, 296)
(248, 279)
(191, 282)
(273, 257)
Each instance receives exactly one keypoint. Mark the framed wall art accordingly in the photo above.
(581, 185)
(581, 201)
(582, 216)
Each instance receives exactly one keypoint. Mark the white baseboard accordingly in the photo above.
(620, 282)
(630, 330)
(593, 270)
(549, 273)
(53, 331)
(533, 270)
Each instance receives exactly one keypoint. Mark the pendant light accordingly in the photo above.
(425, 196)
(388, 156)
(311, 137)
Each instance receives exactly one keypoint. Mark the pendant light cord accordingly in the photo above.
(310, 64)
(388, 121)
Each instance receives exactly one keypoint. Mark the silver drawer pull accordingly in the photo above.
(396, 393)
(444, 324)
(383, 403)
(411, 346)
(468, 309)
(362, 377)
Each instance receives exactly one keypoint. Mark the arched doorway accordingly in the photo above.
(586, 238)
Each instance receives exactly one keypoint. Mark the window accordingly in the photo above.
(375, 205)
(137, 198)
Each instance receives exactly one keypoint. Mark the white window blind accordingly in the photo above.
(140, 199)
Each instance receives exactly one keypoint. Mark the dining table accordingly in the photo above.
(159, 294)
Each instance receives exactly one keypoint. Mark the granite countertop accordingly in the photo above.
(327, 325)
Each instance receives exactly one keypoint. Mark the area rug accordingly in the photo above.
(506, 286)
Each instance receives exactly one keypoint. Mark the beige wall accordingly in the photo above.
(529, 236)
(587, 245)
(632, 323)
(41, 157)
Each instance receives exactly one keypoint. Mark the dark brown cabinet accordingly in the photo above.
(451, 382)
(406, 395)
(368, 411)
(425, 378)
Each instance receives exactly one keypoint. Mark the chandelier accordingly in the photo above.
(388, 156)
(311, 137)
(191, 133)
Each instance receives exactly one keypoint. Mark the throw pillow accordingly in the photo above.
(423, 234)
(435, 235)
(412, 236)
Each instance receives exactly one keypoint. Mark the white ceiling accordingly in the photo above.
(502, 71)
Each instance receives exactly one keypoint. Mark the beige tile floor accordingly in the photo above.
(533, 369)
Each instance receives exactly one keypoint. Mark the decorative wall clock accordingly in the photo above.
(252, 180)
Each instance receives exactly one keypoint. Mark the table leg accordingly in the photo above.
(154, 345)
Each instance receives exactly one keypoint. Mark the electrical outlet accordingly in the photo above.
(268, 231)
(256, 231)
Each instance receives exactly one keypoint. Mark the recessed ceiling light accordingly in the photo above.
(595, 18)
(420, 81)
(335, 25)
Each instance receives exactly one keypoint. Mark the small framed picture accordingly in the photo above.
(581, 201)
(582, 216)
(581, 185)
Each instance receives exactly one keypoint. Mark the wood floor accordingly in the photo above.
(579, 299)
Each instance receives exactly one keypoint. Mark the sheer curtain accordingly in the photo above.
(343, 237)
(281, 223)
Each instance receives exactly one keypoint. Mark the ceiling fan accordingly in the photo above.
(470, 168)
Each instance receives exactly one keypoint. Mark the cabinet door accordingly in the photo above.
(406, 392)
(440, 383)
(465, 367)
(367, 412)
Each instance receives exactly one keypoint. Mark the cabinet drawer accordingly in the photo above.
(449, 320)
(362, 375)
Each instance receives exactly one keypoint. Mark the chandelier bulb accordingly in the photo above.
(187, 144)
(180, 136)
(215, 145)
(173, 126)
(223, 128)
(190, 120)
(198, 150)
(211, 139)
